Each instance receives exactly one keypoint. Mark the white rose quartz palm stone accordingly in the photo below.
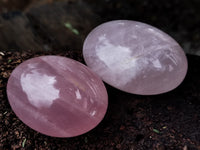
(135, 57)
(57, 96)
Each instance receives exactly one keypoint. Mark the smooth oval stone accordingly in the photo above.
(135, 57)
(57, 96)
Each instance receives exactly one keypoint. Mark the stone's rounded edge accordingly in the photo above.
(84, 66)
(128, 21)
(118, 21)
(13, 72)
(9, 96)
(149, 94)
(85, 54)
(166, 91)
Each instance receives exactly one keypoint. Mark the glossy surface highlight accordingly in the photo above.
(135, 57)
(57, 96)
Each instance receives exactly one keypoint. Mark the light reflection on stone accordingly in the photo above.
(33, 83)
(57, 96)
(135, 57)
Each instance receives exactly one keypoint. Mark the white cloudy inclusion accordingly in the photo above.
(39, 88)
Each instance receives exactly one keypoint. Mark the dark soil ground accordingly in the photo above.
(169, 121)
(166, 121)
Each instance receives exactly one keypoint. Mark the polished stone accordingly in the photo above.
(135, 57)
(57, 96)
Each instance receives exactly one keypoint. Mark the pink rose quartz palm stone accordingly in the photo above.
(57, 96)
(135, 57)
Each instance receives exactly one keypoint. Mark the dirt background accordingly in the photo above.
(30, 28)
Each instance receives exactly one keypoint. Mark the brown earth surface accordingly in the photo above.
(166, 121)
